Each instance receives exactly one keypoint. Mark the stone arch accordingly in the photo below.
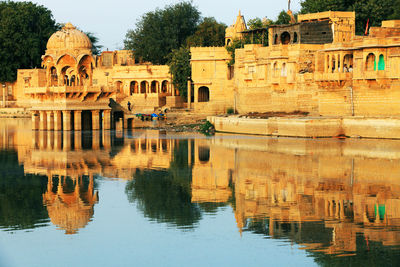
(133, 88)
(275, 69)
(154, 87)
(66, 74)
(53, 76)
(204, 154)
(381, 62)
(143, 87)
(119, 86)
(295, 38)
(348, 63)
(228, 42)
(66, 59)
(285, 38)
(283, 70)
(370, 62)
(164, 86)
(204, 94)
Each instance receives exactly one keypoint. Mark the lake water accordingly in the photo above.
(150, 198)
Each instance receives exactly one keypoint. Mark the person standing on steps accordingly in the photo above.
(129, 106)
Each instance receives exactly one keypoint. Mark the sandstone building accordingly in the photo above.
(317, 66)
(76, 90)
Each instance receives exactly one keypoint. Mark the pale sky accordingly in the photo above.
(110, 20)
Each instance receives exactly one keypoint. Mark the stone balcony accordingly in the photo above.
(69, 89)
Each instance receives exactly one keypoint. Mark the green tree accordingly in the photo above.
(96, 48)
(157, 33)
(208, 33)
(373, 10)
(25, 28)
(283, 18)
(179, 67)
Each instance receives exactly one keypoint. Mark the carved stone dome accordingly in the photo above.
(69, 38)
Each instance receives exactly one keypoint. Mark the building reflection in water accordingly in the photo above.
(330, 196)
(280, 186)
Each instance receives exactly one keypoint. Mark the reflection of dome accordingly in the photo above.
(69, 38)
(70, 217)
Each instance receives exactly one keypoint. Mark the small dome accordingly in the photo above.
(69, 38)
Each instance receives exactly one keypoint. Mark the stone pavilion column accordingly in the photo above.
(67, 141)
(50, 120)
(78, 120)
(66, 120)
(43, 120)
(107, 119)
(57, 120)
(78, 140)
(189, 93)
(57, 140)
(35, 120)
(96, 140)
(95, 120)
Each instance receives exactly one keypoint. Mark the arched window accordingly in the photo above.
(118, 85)
(285, 38)
(333, 65)
(283, 71)
(143, 87)
(154, 87)
(53, 76)
(276, 39)
(228, 42)
(204, 154)
(381, 62)
(275, 69)
(164, 87)
(370, 63)
(295, 38)
(133, 88)
(348, 63)
(204, 94)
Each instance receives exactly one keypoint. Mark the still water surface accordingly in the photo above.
(150, 198)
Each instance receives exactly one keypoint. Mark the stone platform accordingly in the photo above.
(310, 127)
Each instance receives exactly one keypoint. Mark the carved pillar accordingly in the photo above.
(189, 94)
(326, 65)
(67, 141)
(50, 120)
(96, 139)
(78, 120)
(78, 140)
(35, 120)
(58, 140)
(43, 120)
(57, 120)
(107, 119)
(66, 120)
(337, 62)
(95, 120)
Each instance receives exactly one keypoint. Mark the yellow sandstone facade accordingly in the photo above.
(76, 90)
(317, 66)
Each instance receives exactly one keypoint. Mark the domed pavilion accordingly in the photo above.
(69, 100)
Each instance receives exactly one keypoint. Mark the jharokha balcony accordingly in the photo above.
(69, 90)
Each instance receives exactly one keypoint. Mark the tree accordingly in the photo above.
(96, 48)
(283, 18)
(373, 10)
(179, 67)
(25, 28)
(157, 33)
(208, 33)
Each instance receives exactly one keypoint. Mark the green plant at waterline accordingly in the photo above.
(207, 128)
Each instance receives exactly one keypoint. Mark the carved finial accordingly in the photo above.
(69, 26)
(288, 5)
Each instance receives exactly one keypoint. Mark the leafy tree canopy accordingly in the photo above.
(96, 48)
(208, 33)
(374, 10)
(25, 28)
(157, 33)
(179, 67)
